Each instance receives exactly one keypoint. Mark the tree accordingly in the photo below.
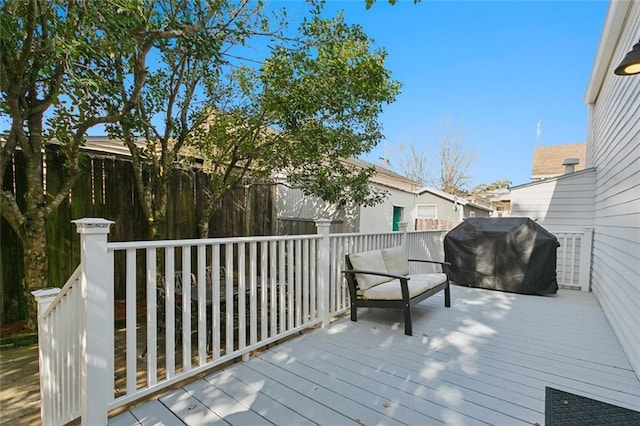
(415, 164)
(455, 163)
(310, 104)
(498, 184)
(60, 69)
(450, 173)
(182, 92)
(369, 3)
(68, 66)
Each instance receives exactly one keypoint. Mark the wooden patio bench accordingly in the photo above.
(381, 279)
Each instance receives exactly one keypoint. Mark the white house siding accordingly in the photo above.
(471, 211)
(379, 218)
(444, 207)
(614, 149)
(560, 204)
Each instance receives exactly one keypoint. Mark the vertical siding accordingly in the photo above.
(615, 152)
(293, 203)
(561, 204)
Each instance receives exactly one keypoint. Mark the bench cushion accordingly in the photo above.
(395, 259)
(390, 290)
(369, 261)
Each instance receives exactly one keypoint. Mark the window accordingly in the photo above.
(427, 211)
(472, 214)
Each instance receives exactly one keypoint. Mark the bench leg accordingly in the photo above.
(354, 312)
(447, 296)
(408, 328)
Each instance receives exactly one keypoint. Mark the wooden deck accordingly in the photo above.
(485, 360)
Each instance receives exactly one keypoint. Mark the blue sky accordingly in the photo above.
(491, 70)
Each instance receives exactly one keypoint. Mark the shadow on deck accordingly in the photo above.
(487, 359)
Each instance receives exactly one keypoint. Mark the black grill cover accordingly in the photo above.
(512, 254)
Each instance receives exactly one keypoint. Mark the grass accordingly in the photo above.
(18, 341)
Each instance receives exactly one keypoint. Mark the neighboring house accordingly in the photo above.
(548, 162)
(294, 207)
(554, 160)
(437, 209)
(562, 203)
(422, 208)
(613, 149)
(398, 207)
(500, 202)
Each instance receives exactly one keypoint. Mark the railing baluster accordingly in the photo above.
(229, 298)
(264, 300)
(186, 308)
(282, 281)
(169, 289)
(152, 330)
(253, 293)
(215, 303)
(300, 279)
(242, 294)
(306, 272)
(273, 307)
(202, 304)
(130, 295)
(313, 306)
(292, 257)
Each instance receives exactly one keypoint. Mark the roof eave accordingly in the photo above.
(613, 25)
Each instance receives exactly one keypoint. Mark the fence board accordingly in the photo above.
(106, 188)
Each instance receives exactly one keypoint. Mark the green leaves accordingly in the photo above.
(369, 3)
(223, 79)
(312, 103)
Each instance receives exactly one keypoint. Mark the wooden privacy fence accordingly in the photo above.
(106, 188)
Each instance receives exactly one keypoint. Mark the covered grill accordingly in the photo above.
(513, 254)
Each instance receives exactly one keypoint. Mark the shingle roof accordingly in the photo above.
(547, 160)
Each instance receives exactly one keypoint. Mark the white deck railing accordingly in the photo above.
(202, 303)
(59, 340)
(573, 268)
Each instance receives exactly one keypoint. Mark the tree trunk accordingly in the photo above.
(203, 226)
(36, 265)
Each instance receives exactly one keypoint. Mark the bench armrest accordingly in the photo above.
(382, 274)
(430, 261)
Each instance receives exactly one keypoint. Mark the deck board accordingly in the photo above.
(261, 403)
(486, 360)
(154, 413)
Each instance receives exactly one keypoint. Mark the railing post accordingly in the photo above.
(323, 226)
(586, 245)
(97, 333)
(44, 297)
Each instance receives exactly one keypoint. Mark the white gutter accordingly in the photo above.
(613, 25)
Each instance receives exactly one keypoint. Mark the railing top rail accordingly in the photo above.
(358, 234)
(194, 242)
(568, 232)
(63, 291)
